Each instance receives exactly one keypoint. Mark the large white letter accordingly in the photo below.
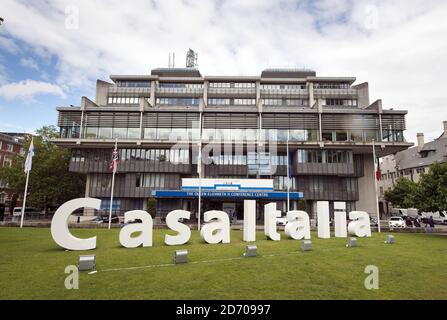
(270, 215)
(249, 220)
(360, 226)
(323, 219)
(59, 224)
(145, 227)
(298, 225)
(216, 231)
(340, 219)
(184, 232)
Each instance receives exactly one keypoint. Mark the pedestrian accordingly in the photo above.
(430, 224)
(416, 223)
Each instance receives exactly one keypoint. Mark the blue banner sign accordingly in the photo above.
(272, 195)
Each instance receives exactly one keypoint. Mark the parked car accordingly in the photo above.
(105, 219)
(396, 222)
(281, 221)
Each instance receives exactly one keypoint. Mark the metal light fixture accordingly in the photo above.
(181, 256)
(250, 251)
(87, 263)
(389, 239)
(352, 242)
(306, 245)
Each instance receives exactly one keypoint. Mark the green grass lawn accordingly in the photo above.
(32, 267)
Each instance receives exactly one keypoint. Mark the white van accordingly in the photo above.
(438, 217)
(17, 212)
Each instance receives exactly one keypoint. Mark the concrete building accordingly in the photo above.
(11, 145)
(250, 128)
(411, 163)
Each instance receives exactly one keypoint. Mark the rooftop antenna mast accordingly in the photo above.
(191, 59)
(171, 63)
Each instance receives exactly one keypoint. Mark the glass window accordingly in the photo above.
(163, 133)
(105, 133)
(120, 133)
(356, 136)
(370, 135)
(150, 133)
(91, 133)
(327, 135)
(133, 133)
(341, 136)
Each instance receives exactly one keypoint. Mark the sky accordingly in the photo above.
(53, 51)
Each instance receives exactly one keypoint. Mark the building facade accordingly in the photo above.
(248, 127)
(11, 145)
(411, 163)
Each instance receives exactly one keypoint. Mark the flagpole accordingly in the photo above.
(113, 187)
(199, 170)
(24, 199)
(28, 165)
(375, 186)
(288, 175)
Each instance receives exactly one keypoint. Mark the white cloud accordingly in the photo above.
(28, 89)
(397, 46)
(29, 63)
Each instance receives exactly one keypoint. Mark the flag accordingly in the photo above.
(378, 174)
(199, 160)
(29, 157)
(114, 162)
(289, 169)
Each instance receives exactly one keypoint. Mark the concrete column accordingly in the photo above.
(205, 92)
(87, 212)
(154, 85)
(310, 87)
(367, 197)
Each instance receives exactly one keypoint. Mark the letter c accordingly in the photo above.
(59, 224)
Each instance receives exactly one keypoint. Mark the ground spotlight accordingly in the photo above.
(306, 245)
(250, 251)
(181, 256)
(352, 242)
(87, 263)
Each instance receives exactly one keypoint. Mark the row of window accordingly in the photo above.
(285, 102)
(283, 86)
(173, 155)
(252, 158)
(150, 180)
(178, 101)
(232, 85)
(123, 100)
(133, 84)
(324, 156)
(331, 85)
(341, 102)
(281, 183)
(175, 134)
(170, 155)
(180, 85)
(9, 146)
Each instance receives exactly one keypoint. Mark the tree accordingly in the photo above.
(432, 189)
(403, 194)
(50, 181)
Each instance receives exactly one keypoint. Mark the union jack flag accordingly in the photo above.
(114, 162)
